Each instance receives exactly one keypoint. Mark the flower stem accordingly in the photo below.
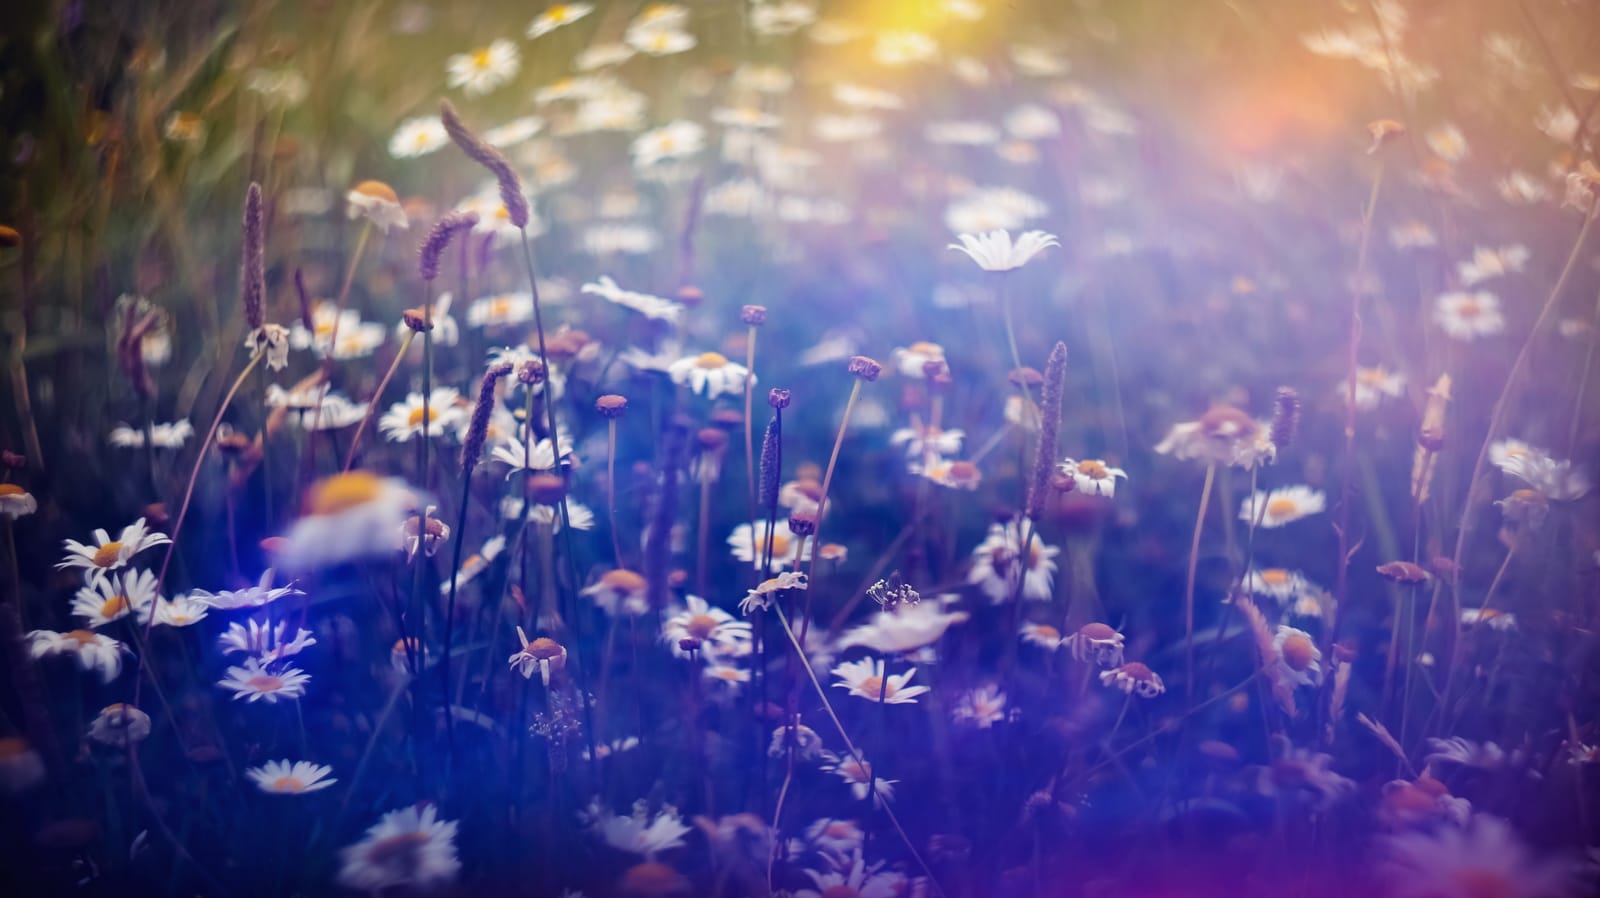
(827, 477)
(377, 395)
(1188, 589)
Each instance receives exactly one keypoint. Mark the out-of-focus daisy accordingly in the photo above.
(658, 41)
(290, 777)
(1493, 617)
(780, 17)
(501, 310)
(1000, 561)
(914, 360)
(750, 544)
(762, 595)
(15, 502)
(1488, 262)
(107, 554)
(1091, 476)
(347, 516)
(962, 132)
(255, 682)
(1281, 506)
(729, 676)
(555, 16)
(404, 421)
(542, 654)
(418, 137)
(115, 596)
(905, 629)
(955, 474)
(262, 593)
(181, 611)
(1447, 142)
(850, 875)
(745, 118)
(378, 203)
(1406, 805)
(518, 130)
(266, 643)
(921, 440)
(613, 748)
(1522, 189)
(119, 725)
(629, 238)
(484, 69)
(94, 651)
(1412, 235)
(1373, 385)
(1302, 774)
(1096, 643)
(1134, 678)
(982, 707)
(1466, 753)
(1042, 635)
(619, 591)
(1468, 316)
(645, 304)
(162, 436)
(407, 847)
(1555, 479)
(21, 768)
(717, 631)
(840, 837)
(1280, 584)
(858, 774)
(1483, 859)
(1223, 435)
(995, 250)
(897, 48)
(865, 679)
(1299, 661)
(641, 832)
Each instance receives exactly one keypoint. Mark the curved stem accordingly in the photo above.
(1188, 589)
(827, 477)
(377, 395)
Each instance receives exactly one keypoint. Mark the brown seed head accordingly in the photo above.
(417, 319)
(755, 316)
(611, 405)
(865, 368)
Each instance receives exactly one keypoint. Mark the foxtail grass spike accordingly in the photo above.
(439, 238)
(1044, 462)
(253, 277)
(511, 195)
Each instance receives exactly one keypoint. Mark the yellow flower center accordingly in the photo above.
(82, 637)
(659, 41)
(701, 626)
(780, 545)
(415, 418)
(114, 606)
(1092, 469)
(623, 580)
(265, 683)
(287, 784)
(1297, 651)
(107, 555)
(711, 360)
(1275, 576)
(342, 492)
(1469, 308)
(480, 58)
(1371, 377)
(11, 489)
(557, 14)
(1282, 508)
(874, 685)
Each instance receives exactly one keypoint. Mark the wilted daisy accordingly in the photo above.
(711, 374)
(1134, 678)
(555, 16)
(404, 421)
(718, 632)
(484, 69)
(805, 741)
(619, 591)
(865, 678)
(378, 203)
(750, 544)
(418, 137)
(763, 595)
(1298, 658)
(1223, 435)
(266, 643)
(982, 707)
(119, 725)
(15, 502)
(1096, 643)
(1091, 476)
(1281, 506)
(290, 777)
(107, 554)
(641, 832)
(1468, 316)
(542, 654)
(858, 774)
(115, 596)
(998, 563)
(93, 651)
(255, 682)
(994, 251)
(407, 847)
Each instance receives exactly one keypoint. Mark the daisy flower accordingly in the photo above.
(730, 676)
(958, 475)
(1280, 584)
(1305, 774)
(1042, 635)
(1223, 435)
(290, 778)
(1488, 262)
(378, 203)
(115, 596)
(119, 725)
(718, 631)
(254, 682)
(407, 847)
(905, 629)
(839, 837)
(913, 361)
(107, 554)
(852, 876)
(997, 563)
(404, 420)
(657, 41)
(677, 140)
(921, 440)
(542, 654)
(619, 591)
(484, 69)
(858, 774)
(1468, 316)
(1483, 859)
(162, 436)
(865, 678)
(1281, 506)
(1373, 385)
(1092, 477)
(640, 832)
(1552, 478)
(749, 544)
(180, 611)
(15, 502)
(762, 596)
(265, 643)
(982, 707)
(418, 137)
(555, 16)
(1495, 618)
(1298, 660)
(501, 310)
(1134, 678)
(1096, 643)
(645, 304)
(711, 374)
(995, 251)
(263, 593)
(93, 651)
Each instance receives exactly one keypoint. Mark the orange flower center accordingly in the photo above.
(287, 784)
(1297, 651)
(839, 829)
(780, 545)
(1282, 508)
(13, 747)
(480, 58)
(415, 418)
(1371, 377)
(1469, 308)
(701, 626)
(114, 606)
(1046, 631)
(342, 492)
(623, 580)
(874, 685)
(711, 360)
(107, 555)
(82, 637)
(1093, 469)
(265, 683)
(1275, 576)
(11, 489)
